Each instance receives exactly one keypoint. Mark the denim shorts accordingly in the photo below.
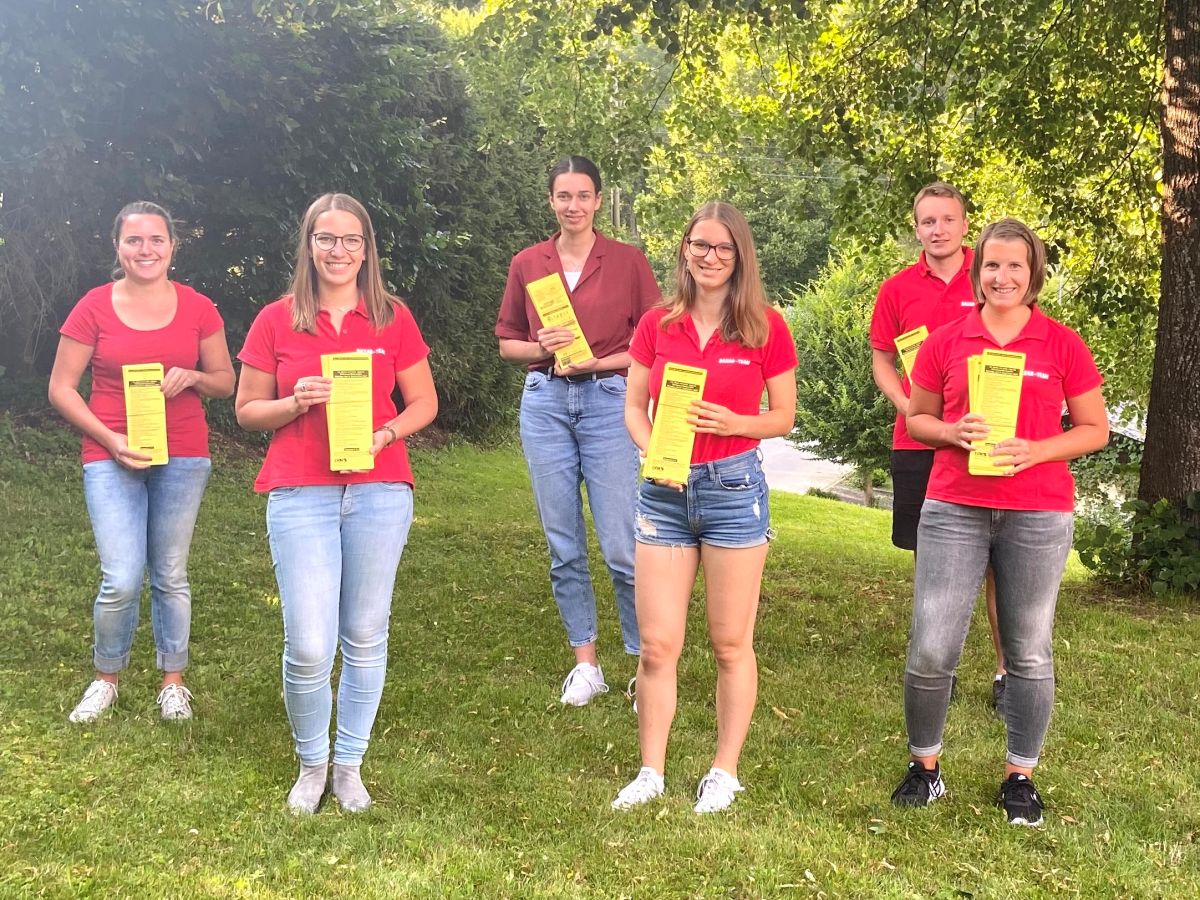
(724, 504)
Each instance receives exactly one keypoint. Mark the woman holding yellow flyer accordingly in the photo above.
(704, 358)
(987, 394)
(318, 369)
(155, 347)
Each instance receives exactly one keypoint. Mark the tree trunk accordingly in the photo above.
(1171, 463)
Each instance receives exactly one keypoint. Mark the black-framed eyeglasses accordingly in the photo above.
(352, 243)
(699, 249)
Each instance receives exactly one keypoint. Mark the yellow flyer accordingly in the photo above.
(555, 310)
(669, 455)
(907, 346)
(973, 364)
(146, 411)
(998, 397)
(349, 410)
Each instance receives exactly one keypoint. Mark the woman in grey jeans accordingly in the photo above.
(1018, 520)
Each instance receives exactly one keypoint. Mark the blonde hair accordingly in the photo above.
(381, 304)
(1012, 230)
(744, 313)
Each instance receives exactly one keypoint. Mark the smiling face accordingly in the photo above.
(575, 202)
(1004, 274)
(144, 248)
(941, 226)
(337, 267)
(710, 272)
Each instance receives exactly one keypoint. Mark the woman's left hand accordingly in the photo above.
(576, 368)
(712, 418)
(1021, 454)
(178, 380)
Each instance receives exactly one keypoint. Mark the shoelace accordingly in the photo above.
(577, 673)
(724, 785)
(1020, 792)
(174, 699)
(96, 694)
(644, 787)
(917, 783)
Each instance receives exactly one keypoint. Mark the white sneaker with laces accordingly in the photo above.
(583, 683)
(631, 692)
(98, 697)
(716, 791)
(175, 702)
(648, 785)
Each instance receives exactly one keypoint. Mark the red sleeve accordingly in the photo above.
(259, 349)
(929, 372)
(885, 319)
(210, 318)
(643, 347)
(779, 355)
(1080, 374)
(413, 348)
(82, 324)
(512, 323)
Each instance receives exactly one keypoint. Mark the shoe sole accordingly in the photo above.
(1025, 823)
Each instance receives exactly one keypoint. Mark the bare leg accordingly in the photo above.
(994, 621)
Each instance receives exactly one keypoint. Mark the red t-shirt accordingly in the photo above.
(909, 299)
(736, 374)
(614, 290)
(299, 451)
(94, 322)
(1058, 365)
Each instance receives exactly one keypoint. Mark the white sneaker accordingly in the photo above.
(631, 692)
(648, 785)
(716, 791)
(175, 702)
(99, 696)
(583, 683)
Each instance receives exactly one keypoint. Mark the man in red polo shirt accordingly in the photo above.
(933, 292)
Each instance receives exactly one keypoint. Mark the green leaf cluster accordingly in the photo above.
(1158, 548)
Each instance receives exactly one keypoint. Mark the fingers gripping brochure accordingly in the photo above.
(146, 411)
(994, 391)
(907, 346)
(349, 410)
(555, 310)
(669, 455)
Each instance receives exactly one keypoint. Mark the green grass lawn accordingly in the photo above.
(485, 786)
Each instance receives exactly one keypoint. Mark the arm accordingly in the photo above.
(258, 409)
(778, 420)
(637, 404)
(1088, 432)
(420, 406)
(883, 369)
(70, 362)
(214, 378)
(541, 350)
(924, 422)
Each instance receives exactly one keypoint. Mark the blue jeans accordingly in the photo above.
(335, 549)
(1027, 551)
(574, 435)
(143, 519)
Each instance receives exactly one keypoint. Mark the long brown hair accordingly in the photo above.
(744, 313)
(379, 301)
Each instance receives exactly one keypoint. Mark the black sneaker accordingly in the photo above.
(920, 786)
(998, 687)
(1020, 800)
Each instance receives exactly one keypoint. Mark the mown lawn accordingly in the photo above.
(485, 786)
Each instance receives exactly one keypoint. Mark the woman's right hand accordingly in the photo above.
(553, 339)
(971, 427)
(310, 391)
(118, 448)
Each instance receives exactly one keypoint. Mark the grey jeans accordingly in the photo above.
(1027, 551)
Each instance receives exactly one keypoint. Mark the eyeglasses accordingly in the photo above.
(699, 249)
(352, 243)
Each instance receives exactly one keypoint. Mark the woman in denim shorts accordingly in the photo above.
(1019, 522)
(719, 320)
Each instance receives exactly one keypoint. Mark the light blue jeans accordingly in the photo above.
(143, 519)
(573, 435)
(1027, 550)
(335, 549)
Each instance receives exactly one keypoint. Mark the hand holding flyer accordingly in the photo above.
(349, 411)
(146, 411)
(555, 310)
(669, 456)
(995, 394)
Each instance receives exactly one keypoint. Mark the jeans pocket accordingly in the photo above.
(614, 384)
(741, 478)
(534, 380)
(280, 493)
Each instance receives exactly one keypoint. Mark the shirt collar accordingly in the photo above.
(923, 266)
(1036, 329)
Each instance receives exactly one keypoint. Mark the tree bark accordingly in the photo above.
(1171, 462)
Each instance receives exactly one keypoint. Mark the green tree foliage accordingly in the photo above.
(235, 118)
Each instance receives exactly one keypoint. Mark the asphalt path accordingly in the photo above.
(796, 470)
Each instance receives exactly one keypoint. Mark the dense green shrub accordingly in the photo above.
(1158, 547)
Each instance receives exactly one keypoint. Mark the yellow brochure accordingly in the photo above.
(973, 365)
(907, 345)
(998, 396)
(555, 310)
(349, 410)
(669, 455)
(146, 411)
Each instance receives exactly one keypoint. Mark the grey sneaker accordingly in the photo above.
(175, 702)
(98, 697)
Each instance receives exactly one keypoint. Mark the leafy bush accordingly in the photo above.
(1159, 548)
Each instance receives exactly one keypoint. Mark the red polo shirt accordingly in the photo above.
(909, 299)
(1058, 365)
(737, 374)
(614, 290)
(94, 322)
(299, 451)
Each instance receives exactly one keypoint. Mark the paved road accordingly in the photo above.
(792, 469)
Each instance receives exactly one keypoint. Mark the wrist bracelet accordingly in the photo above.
(389, 430)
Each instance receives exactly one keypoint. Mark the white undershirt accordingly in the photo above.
(572, 279)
